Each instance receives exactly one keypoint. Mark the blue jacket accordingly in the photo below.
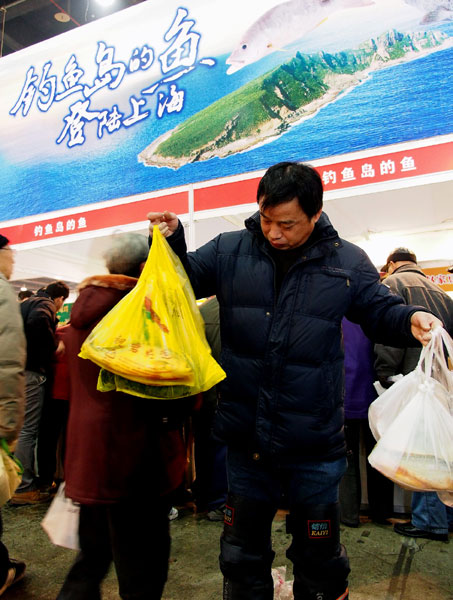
(283, 355)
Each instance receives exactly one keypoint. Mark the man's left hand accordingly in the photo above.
(421, 325)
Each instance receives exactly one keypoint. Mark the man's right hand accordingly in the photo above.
(167, 222)
(385, 381)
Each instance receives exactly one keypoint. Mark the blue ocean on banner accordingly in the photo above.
(404, 102)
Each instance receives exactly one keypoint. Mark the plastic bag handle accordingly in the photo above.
(425, 362)
(445, 340)
(435, 349)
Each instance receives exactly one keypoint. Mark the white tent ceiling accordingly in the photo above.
(418, 215)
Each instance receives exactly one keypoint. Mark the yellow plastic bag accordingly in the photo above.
(152, 343)
(11, 472)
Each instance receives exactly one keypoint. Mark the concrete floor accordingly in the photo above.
(385, 566)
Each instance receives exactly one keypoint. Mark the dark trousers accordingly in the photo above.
(321, 565)
(53, 425)
(210, 487)
(379, 488)
(4, 556)
(135, 536)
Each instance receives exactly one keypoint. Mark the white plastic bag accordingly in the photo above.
(380, 389)
(414, 423)
(61, 522)
(384, 410)
(283, 590)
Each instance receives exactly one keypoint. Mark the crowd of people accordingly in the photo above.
(302, 325)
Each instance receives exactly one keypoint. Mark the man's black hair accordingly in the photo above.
(56, 289)
(288, 180)
(23, 294)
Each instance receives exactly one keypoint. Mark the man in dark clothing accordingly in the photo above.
(359, 393)
(210, 485)
(23, 295)
(283, 285)
(40, 321)
(431, 519)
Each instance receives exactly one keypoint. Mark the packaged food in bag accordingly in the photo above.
(108, 381)
(11, 472)
(415, 445)
(446, 498)
(152, 343)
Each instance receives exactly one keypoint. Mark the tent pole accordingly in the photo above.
(191, 218)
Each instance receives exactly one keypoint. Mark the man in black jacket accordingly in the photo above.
(40, 321)
(283, 285)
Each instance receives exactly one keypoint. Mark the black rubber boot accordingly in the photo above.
(321, 565)
(246, 554)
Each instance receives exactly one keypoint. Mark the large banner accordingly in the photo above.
(162, 95)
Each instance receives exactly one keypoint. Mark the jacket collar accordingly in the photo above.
(118, 282)
(412, 268)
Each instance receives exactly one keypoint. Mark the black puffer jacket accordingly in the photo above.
(283, 355)
(40, 322)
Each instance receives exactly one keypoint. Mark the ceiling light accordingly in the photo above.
(105, 3)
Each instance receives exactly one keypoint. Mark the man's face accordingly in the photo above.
(391, 267)
(59, 302)
(286, 226)
(6, 261)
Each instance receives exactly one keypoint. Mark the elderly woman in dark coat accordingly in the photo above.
(122, 456)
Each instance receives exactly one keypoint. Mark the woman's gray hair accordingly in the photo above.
(127, 254)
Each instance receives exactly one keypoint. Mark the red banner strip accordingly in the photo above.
(345, 174)
(92, 220)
